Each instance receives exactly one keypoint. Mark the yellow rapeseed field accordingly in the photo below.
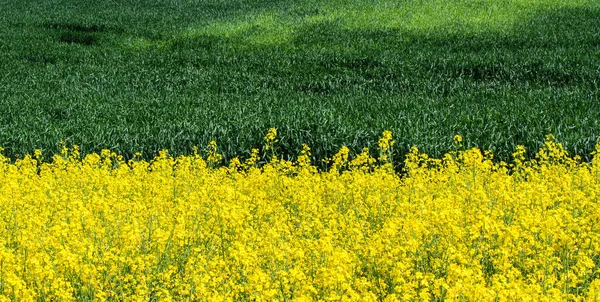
(460, 228)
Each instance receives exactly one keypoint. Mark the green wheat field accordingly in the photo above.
(142, 75)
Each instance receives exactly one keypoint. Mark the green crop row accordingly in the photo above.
(140, 76)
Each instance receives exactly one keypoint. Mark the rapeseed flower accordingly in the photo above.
(462, 227)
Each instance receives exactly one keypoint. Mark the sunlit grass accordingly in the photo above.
(465, 16)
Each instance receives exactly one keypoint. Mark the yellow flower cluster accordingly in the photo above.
(459, 228)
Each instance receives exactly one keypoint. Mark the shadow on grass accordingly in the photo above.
(75, 27)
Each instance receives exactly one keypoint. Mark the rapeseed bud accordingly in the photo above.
(190, 228)
(385, 146)
(270, 138)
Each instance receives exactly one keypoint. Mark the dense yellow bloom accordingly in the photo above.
(188, 228)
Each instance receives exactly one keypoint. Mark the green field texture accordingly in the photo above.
(141, 75)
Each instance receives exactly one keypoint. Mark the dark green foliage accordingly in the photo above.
(150, 75)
